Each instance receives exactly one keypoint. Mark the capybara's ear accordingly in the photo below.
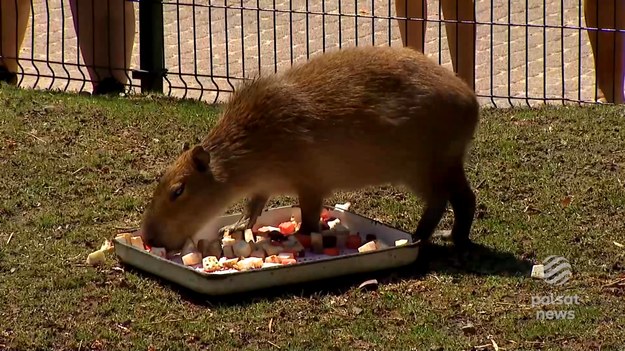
(185, 146)
(201, 158)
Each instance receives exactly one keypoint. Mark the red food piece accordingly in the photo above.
(353, 241)
(287, 228)
(304, 240)
(325, 214)
(331, 251)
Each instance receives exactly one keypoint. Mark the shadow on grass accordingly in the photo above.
(438, 259)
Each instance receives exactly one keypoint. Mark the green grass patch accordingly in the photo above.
(549, 181)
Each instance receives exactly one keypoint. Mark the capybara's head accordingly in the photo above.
(187, 197)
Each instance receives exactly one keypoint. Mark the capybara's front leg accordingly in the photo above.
(311, 204)
(253, 210)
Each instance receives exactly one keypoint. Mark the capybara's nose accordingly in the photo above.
(149, 233)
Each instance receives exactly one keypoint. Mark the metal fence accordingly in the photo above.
(527, 51)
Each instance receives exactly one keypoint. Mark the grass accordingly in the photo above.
(75, 168)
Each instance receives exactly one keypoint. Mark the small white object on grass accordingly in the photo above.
(401, 242)
(96, 258)
(538, 271)
(343, 207)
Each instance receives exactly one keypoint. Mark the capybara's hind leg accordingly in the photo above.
(310, 205)
(463, 203)
(253, 210)
(430, 217)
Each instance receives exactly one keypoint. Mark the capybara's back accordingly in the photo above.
(342, 121)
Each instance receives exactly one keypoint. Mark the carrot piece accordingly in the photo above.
(287, 228)
(331, 251)
(353, 241)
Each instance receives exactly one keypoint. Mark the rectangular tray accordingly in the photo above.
(309, 268)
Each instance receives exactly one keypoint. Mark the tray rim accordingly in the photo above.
(413, 246)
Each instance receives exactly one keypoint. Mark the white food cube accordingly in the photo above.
(242, 249)
(95, 258)
(249, 263)
(401, 242)
(137, 242)
(159, 251)
(124, 237)
(210, 263)
(249, 235)
(228, 262)
(538, 271)
(370, 246)
(192, 259)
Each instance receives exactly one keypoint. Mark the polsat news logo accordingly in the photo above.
(557, 270)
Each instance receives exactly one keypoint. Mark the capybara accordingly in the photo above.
(343, 120)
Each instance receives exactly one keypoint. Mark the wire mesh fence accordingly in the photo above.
(527, 52)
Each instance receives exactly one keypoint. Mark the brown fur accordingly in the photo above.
(343, 120)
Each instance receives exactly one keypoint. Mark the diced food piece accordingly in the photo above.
(210, 248)
(107, 246)
(333, 223)
(260, 253)
(137, 242)
(96, 258)
(329, 241)
(272, 259)
(343, 207)
(242, 248)
(192, 258)
(228, 251)
(188, 247)
(124, 237)
(369, 246)
(288, 261)
(273, 249)
(228, 262)
(353, 241)
(304, 240)
(238, 235)
(341, 239)
(287, 228)
(316, 240)
(293, 245)
(159, 251)
(325, 214)
(265, 230)
(227, 246)
(285, 255)
(538, 271)
(249, 263)
(401, 242)
(249, 235)
(210, 264)
(331, 251)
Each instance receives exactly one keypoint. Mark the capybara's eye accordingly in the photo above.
(177, 192)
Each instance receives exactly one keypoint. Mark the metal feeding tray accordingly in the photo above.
(309, 268)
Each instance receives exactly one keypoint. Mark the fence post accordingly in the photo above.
(151, 51)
